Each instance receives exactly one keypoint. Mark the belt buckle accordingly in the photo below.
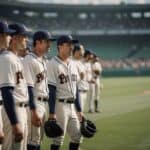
(40, 98)
(65, 100)
(22, 104)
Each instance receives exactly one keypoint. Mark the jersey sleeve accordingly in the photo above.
(8, 75)
(30, 72)
(97, 66)
(52, 73)
(80, 67)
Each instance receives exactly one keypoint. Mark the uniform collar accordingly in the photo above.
(35, 56)
(60, 61)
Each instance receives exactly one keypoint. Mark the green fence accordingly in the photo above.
(129, 72)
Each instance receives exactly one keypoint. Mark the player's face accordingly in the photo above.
(42, 46)
(21, 42)
(46, 45)
(5, 39)
(67, 49)
(78, 54)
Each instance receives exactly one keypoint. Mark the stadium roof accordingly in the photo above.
(63, 7)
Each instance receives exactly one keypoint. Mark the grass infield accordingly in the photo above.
(124, 123)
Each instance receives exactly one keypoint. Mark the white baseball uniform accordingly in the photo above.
(97, 67)
(64, 77)
(13, 75)
(1, 121)
(83, 84)
(36, 77)
(90, 94)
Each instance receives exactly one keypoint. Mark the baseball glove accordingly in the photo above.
(87, 128)
(52, 129)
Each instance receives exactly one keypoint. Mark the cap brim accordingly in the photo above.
(9, 31)
(52, 39)
(75, 41)
(28, 33)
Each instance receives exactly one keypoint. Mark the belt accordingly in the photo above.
(42, 99)
(83, 91)
(69, 100)
(1, 102)
(22, 104)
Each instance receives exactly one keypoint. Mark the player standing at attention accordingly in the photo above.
(97, 72)
(14, 91)
(88, 56)
(63, 94)
(4, 43)
(83, 85)
(36, 77)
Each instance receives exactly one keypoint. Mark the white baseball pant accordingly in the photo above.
(83, 98)
(91, 96)
(1, 122)
(36, 134)
(68, 120)
(9, 143)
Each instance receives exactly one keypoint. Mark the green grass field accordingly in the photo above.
(124, 123)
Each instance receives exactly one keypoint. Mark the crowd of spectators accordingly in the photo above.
(54, 24)
(126, 64)
(73, 22)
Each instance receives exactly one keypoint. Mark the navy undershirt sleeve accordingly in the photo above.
(31, 98)
(9, 104)
(77, 102)
(52, 98)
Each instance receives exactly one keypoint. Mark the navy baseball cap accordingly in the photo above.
(4, 28)
(66, 39)
(43, 35)
(20, 29)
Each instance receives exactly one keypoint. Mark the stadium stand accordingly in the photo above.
(119, 34)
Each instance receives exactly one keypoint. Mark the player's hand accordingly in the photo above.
(92, 81)
(35, 118)
(81, 75)
(80, 116)
(52, 117)
(18, 133)
(1, 136)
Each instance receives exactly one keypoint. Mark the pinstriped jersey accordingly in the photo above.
(36, 74)
(63, 76)
(88, 68)
(83, 83)
(97, 67)
(12, 74)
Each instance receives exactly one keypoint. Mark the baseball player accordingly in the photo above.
(83, 85)
(14, 92)
(36, 77)
(63, 93)
(4, 43)
(88, 65)
(97, 71)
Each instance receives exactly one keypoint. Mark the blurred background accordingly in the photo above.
(117, 31)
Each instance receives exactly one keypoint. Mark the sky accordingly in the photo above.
(94, 2)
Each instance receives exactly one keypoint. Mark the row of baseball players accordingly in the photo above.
(54, 87)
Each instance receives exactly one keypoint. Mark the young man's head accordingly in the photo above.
(19, 37)
(42, 42)
(87, 55)
(78, 51)
(65, 44)
(4, 35)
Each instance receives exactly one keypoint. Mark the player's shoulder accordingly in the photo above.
(30, 58)
(54, 60)
(52, 63)
(9, 56)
